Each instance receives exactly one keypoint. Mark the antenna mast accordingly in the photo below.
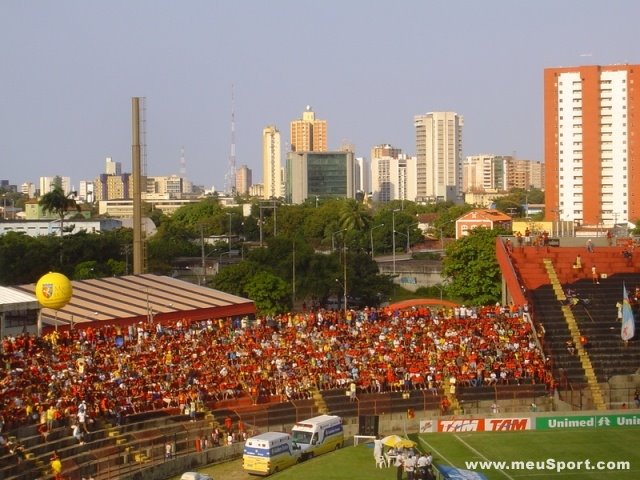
(230, 183)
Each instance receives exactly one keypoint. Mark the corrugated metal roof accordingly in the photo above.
(138, 296)
(14, 298)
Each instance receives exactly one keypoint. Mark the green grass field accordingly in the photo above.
(543, 447)
(354, 463)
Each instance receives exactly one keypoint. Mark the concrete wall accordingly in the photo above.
(389, 423)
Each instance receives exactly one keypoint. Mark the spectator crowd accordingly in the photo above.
(114, 371)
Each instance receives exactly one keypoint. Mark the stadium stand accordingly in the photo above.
(142, 391)
(591, 327)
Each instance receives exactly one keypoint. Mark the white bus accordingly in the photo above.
(269, 452)
(318, 435)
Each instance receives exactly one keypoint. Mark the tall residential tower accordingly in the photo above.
(592, 161)
(439, 157)
(309, 134)
(271, 163)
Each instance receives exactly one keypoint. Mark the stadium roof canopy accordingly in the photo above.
(136, 298)
(12, 299)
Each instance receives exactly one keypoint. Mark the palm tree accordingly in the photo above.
(57, 202)
(354, 216)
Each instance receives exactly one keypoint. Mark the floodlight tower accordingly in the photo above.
(230, 180)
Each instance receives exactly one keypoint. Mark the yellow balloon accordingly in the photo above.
(53, 290)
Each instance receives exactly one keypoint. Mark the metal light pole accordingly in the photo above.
(333, 239)
(260, 227)
(229, 234)
(407, 239)
(204, 267)
(371, 236)
(393, 240)
(344, 283)
(293, 268)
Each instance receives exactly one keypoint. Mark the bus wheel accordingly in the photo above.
(276, 469)
(338, 446)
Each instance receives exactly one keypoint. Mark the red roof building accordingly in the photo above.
(482, 217)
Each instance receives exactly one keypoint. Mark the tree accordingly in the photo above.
(57, 202)
(87, 270)
(24, 259)
(365, 285)
(234, 278)
(270, 293)
(472, 268)
(354, 216)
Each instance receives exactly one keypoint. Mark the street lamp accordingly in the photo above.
(333, 238)
(371, 236)
(407, 236)
(229, 234)
(4, 206)
(344, 283)
(393, 238)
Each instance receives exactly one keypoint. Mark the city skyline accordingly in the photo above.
(72, 68)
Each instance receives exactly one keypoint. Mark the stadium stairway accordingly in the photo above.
(318, 401)
(585, 361)
(547, 310)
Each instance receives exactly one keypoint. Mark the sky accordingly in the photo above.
(69, 68)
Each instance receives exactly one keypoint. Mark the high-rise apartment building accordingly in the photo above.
(47, 184)
(500, 173)
(525, 174)
(485, 173)
(592, 160)
(391, 178)
(171, 185)
(28, 189)
(243, 180)
(85, 191)
(309, 134)
(112, 168)
(393, 174)
(385, 150)
(271, 163)
(439, 156)
(114, 187)
(362, 175)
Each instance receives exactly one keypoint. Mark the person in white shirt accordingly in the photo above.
(410, 466)
(82, 416)
(77, 433)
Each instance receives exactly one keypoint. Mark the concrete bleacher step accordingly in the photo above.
(318, 401)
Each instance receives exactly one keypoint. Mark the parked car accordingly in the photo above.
(195, 476)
